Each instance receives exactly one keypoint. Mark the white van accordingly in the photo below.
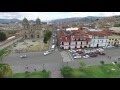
(53, 47)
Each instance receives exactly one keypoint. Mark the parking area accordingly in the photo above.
(111, 55)
(86, 53)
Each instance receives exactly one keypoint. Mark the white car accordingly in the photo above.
(86, 56)
(47, 52)
(75, 57)
(23, 56)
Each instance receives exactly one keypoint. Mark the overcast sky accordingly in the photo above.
(46, 16)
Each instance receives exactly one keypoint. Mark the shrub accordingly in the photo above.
(4, 70)
(102, 62)
(66, 71)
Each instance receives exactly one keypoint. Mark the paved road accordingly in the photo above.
(54, 61)
(33, 58)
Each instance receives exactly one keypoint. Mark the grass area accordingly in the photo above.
(102, 71)
(39, 74)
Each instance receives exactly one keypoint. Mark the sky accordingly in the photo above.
(47, 16)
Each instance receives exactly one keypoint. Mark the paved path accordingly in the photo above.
(65, 56)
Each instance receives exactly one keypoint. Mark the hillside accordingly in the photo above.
(9, 20)
(77, 19)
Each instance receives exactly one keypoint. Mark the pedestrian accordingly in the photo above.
(35, 69)
(110, 57)
(26, 67)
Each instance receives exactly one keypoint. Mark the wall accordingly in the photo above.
(8, 43)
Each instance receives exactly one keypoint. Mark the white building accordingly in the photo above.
(98, 39)
(69, 29)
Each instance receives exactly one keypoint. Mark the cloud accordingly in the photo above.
(45, 16)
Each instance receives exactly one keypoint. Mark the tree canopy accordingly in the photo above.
(47, 36)
(2, 36)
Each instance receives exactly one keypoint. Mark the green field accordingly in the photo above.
(30, 75)
(101, 71)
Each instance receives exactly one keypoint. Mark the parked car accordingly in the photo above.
(47, 52)
(75, 57)
(75, 54)
(118, 59)
(79, 52)
(86, 56)
(93, 55)
(23, 56)
(101, 53)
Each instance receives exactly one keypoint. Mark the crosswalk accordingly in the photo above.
(65, 56)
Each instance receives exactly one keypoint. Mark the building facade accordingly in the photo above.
(82, 39)
(32, 31)
(114, 40)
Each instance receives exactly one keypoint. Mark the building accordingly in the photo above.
(73, 39)
(69, 29)
(82, 39)
(115, 30)
(98, 38)
(32, 31)
(114, 40)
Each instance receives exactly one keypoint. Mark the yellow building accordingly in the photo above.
(114, 40)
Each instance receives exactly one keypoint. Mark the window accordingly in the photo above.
(98, 41)
(87, 42)
(37, 36)
(112, 39)
(81, 43)
(109, 39)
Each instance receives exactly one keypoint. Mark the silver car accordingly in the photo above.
(23, 56)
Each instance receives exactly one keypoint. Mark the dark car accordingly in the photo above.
(93, 55)
(102, 53)
(118, 59)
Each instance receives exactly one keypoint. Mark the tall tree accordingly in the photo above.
(2, 36)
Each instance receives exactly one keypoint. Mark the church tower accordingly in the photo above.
(25, 24)
(38, 24)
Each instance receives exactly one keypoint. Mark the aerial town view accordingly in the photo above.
(59, 44)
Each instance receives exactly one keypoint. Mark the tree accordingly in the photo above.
(82, 64)
(47, 36)
(5, 70)
(44, 71)
(2, 36)
(66, 71)
(2, 52)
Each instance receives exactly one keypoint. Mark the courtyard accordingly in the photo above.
(30, 46)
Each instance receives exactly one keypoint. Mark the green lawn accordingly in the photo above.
(30, 75)
(102, 71)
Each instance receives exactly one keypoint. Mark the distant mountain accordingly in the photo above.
(9, 20)
(78, 19)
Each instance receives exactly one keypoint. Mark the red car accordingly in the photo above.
(79, 52)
